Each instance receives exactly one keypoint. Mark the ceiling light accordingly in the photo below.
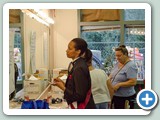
(39, 16)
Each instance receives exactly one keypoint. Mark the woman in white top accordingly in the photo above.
(100, 90)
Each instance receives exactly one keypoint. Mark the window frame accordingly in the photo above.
(122, 23)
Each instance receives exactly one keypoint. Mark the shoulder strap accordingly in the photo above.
(119, 71)
(84, 104)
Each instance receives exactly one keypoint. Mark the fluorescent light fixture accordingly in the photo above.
(40, 16)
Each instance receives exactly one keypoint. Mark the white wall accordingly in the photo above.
(64, 30)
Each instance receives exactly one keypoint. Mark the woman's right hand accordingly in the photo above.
(59, 83)
(58, 80)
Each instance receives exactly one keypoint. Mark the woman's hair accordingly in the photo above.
(88, 56)
(80, 44)
(123, 49)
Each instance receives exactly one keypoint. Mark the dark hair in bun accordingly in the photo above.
(123, 49)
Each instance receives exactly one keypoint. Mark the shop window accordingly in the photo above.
(102, 40)
(17, 51)
(135, 41)
(134, 14)
(103, 37)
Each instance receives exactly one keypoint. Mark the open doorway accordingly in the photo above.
(18, 53)
(17, 57)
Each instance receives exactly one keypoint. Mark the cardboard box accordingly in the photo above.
(33, 88)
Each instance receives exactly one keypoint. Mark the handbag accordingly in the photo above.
(35, 104)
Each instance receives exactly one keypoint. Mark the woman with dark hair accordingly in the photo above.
(122, 80)
(100, 90)
(77, 89)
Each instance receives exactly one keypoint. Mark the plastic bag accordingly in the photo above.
(38, 104)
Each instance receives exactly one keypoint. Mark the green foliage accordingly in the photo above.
(106, 40)
(103, 41)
